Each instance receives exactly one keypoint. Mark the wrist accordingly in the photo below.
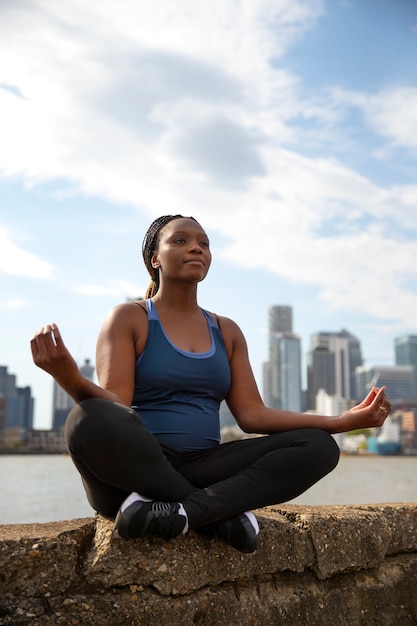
(339, 423)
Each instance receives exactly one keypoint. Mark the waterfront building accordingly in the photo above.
(2, 420)
(62, 403)
(409, 431)
(331, 405)
(399, 380)
(266, 383)
(7, 382)
(49, 440)
(20, 409)
(282, 383)
(280, 319)
(19, 403)
(331, 365)
(406, 354)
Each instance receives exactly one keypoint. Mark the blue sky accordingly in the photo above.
(288, 128)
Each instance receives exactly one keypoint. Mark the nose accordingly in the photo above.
(196, 247)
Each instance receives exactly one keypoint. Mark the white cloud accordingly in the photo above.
(122, 290)
(14, 304)
(393, 114)
(318, 223)
(85, 105)
(183, 110)
(390, 112)
(18, 262)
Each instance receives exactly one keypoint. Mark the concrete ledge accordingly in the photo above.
(315, 565)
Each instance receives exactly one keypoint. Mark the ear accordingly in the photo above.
(155, 261)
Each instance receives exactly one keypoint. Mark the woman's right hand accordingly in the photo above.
(50, 354)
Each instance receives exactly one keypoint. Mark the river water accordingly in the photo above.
(44, 488)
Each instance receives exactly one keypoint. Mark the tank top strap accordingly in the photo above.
(150, 307)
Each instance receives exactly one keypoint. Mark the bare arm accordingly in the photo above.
(253, 416)
(120, 342)
(117, 343)
(50, 354)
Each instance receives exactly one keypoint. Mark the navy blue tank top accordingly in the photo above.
(177, 394)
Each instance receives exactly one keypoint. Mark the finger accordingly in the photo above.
(37, 339)
(37, 346)
(42, 342)
(47, 336)
(56, 335)
(383, 405)
(387, 404)
(379, 397)
(370, 398)
(34, 347)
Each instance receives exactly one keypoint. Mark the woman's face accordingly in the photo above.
(183, 251)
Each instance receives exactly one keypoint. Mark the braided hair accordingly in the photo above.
(150, 244)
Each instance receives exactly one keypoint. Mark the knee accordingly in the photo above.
(75, 423)
(323, 448)
(84, 420)
(328, 450)
(96, 420)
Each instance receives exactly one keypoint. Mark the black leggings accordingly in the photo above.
(115, 455)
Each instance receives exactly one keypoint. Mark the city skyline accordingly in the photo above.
(288, 128)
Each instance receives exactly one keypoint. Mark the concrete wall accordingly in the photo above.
(316, 566)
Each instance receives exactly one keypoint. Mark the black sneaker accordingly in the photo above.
(241, 532)
(144, 518)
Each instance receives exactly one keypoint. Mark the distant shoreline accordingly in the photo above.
(65, 453)
(32, 452)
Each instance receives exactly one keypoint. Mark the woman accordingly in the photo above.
(146, 441)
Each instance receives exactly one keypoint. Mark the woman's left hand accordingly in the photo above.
(370, 413)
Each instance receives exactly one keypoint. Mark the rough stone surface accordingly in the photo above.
(344, 538)
(316, 566)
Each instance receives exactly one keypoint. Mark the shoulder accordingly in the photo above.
(127, 315)
(125, 325)
(228, 324)
(228, 327)
(232, 334)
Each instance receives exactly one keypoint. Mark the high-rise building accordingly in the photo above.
(266, 383)
(398, 379)
(282, 387)
(280, 319)
(87, 370)
(331, 365)
(62, 403)
(2, 420)
(7, 382)
(406, 354)
(19, 403)
(409, 431)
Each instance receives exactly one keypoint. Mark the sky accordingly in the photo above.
(287, 128)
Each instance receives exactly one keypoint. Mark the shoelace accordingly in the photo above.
(164, 520)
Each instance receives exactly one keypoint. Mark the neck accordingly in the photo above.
(181, 298)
